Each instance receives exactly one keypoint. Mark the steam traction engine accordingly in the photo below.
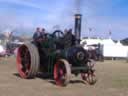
(53, 56)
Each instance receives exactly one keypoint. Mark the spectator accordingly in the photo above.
(43, 31)
(69, 38)
(38, 34)
(65, 31)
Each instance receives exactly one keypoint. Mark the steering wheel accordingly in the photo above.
(58, 34)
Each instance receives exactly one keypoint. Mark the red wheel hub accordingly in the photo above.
(59, 73)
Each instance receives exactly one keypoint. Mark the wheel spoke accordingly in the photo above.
(25, 60)
(89, 77)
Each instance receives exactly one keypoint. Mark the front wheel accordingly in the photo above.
(90, 76)
(62, 72)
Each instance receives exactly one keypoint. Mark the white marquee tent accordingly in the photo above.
(2, 50)
(110, 48)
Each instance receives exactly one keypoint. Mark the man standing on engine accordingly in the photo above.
(38, 34)
(69, 38)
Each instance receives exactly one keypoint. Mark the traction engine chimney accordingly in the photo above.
(78, 18)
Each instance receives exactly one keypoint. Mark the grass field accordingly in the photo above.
(112, 81)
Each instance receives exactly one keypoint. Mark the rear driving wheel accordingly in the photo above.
(62, 72)
(27, 60)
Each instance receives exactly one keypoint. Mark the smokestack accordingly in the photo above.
(78, 18)
(78, 27)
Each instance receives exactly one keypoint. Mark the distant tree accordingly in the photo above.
(124, 41)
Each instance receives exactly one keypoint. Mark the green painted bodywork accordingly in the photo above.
(48, 46)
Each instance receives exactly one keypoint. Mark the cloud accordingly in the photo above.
(23, 3)
(101, 15)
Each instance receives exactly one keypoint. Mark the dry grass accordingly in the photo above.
(112, 81)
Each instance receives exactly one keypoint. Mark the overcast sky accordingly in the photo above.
(100, 15)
